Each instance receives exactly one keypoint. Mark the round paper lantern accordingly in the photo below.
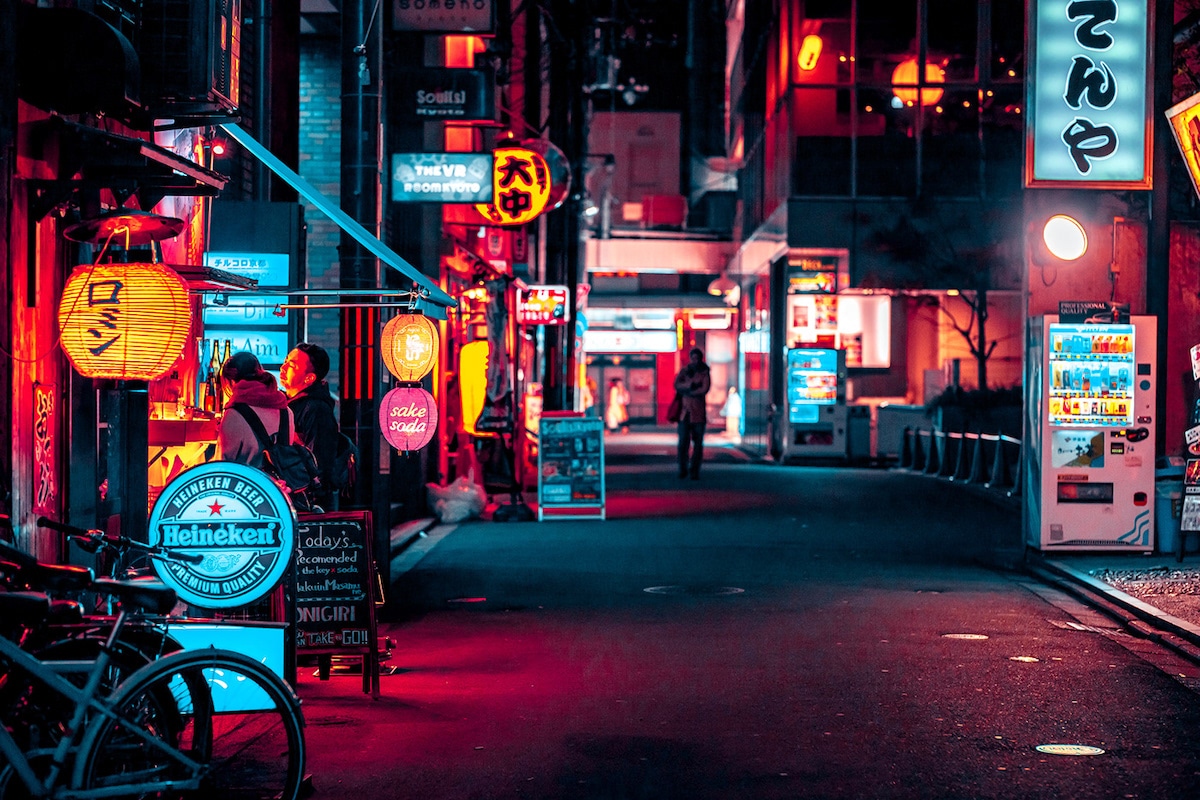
(409, 346)
(906, 73)
(521, 186)
(408, 416)
(124, 321)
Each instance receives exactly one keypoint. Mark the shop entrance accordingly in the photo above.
(637, 371)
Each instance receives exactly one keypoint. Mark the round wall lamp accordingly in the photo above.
(1065, 237)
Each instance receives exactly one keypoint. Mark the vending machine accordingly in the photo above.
(816, 411)
(1087, 466)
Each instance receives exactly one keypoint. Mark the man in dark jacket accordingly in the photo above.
(303, 378)
(692, 383)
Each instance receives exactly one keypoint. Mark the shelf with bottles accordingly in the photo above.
(1092, 380)
(1073, 346)
(1107, 411)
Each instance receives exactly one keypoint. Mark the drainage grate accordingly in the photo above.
(700, 591)
(972, 637)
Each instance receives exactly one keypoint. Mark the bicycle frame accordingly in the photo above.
(84, 701)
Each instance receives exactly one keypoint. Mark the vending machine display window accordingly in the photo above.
(812, 381)
(1092, 371)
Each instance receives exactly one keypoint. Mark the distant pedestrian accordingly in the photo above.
(616, 413)
(692, 383)
(732, 412)
(588, 391)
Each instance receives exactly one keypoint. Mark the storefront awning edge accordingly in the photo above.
(431, 291)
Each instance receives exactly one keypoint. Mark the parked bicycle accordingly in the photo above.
(205, 723)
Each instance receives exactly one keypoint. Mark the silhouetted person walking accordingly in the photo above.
(692, 383)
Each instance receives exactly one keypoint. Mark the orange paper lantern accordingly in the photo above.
(409, 346)
(521, 186)
(408, 417)
(124, 321)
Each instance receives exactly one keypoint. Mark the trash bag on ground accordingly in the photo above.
(461, 499)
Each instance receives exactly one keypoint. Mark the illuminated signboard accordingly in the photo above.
(543, 305)
(475, 16)
(441, 177)
(1089, 95)
(462, 95)
(250, 322)
(1185, 127)
(812, 274)
(236, 523)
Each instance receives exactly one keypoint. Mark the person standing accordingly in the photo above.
(616, 413)
(254, 386)
(303, 378)
(692, 383)
(732, 412)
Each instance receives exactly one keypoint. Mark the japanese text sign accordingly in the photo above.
(521, 186)
(1088, 92)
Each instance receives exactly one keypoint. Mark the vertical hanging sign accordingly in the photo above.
(1088, 91)
(45, 448)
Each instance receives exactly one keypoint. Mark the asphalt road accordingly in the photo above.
(765, 632)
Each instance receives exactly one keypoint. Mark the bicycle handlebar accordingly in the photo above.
(94, 540)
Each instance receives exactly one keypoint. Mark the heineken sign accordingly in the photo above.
(1089, 94)
(238, 523)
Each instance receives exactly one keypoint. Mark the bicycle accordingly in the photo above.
(168, 730)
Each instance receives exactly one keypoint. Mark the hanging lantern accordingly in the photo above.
(409, 346)
(124, 321)
(521, 186)
(905, 76)
(408, 417)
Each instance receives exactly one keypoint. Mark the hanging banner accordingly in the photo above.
(45, 449)
(1089, 115)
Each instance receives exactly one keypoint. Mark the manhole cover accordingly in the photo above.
(972, 637)
(1069, 749)
(706, 591)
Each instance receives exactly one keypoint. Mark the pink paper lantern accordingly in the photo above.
(408, 417)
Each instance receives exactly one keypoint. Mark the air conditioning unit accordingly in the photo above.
(190, 52)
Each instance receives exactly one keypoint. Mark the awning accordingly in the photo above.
(128, 166)
(432, 301)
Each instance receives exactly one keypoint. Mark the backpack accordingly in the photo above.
(291, 465)
(344, 472)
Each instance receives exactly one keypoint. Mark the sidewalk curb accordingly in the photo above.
(1159, 619)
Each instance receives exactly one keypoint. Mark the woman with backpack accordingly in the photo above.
(254, 386)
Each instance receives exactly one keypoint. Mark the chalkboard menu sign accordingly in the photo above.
(570, 466)
(334, 598)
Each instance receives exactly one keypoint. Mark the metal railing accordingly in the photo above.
(991, 460)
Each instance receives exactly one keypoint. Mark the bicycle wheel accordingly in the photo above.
(242, 734)
(38, 716)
